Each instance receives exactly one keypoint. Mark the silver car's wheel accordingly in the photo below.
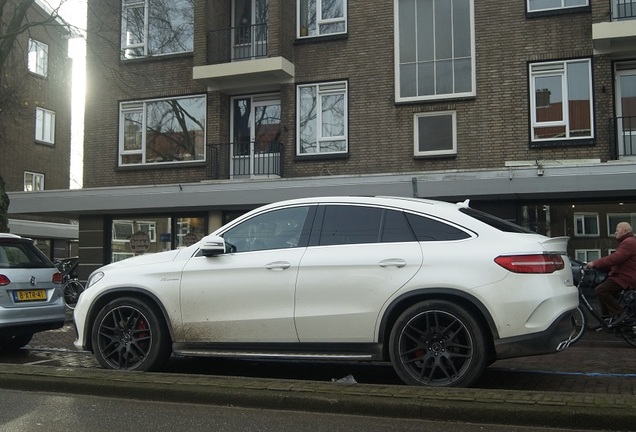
(12, 343)
(438, 343)
(128, 334)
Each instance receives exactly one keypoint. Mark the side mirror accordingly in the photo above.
(212, 246)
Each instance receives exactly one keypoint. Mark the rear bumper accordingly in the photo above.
(553, 339)
(30, 328)
(19, 321)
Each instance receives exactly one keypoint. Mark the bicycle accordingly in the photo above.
(72, 286)
(588, 279)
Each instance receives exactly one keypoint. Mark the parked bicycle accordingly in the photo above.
(586, 280)
(72, 286)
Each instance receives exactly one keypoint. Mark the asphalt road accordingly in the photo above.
(590, 385)
(599, 363)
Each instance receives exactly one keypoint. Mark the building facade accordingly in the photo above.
(199, 110)
(36, 123)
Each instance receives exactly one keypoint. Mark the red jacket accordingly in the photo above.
(621, 263)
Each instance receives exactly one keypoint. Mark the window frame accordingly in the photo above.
(582, 216)
(38, 57)
(144, 44)
(330, 90)
(622, 217)
(319, 21)
(44, 125)
(416, 147)
(586, 252)
(549, 68)
(37, 179)
(558, 8)
(437, 96)
(140, 106)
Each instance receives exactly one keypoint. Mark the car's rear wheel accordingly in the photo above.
(130, 334)
(438, 343)
(12, 343)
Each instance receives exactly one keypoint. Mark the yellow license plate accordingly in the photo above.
(30, 295)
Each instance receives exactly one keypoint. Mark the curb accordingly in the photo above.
(510, 407)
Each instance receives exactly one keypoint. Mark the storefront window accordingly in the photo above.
(131, 236)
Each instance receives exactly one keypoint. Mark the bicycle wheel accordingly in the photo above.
(579, 320)
(630, 336)
(72, 291)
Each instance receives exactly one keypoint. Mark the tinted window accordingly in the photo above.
(427, 229)
(495, 222)
(22, 254)
(396, 228)
(351, 225)
(272, 230)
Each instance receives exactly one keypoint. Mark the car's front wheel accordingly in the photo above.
(130, 334)
(438, 343)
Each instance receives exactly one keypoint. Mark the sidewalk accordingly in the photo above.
(602, 408)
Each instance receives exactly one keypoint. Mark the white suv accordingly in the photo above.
(30, 292)
(441, 290)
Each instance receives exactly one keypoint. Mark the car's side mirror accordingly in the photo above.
(212, 246)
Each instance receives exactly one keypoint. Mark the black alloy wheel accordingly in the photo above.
(438, 343)
(129, 334)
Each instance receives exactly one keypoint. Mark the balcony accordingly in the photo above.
(623, 137)
(253, 159)
(239, 61)
(618, 35)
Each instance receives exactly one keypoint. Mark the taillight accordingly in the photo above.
(4, 280)
(58, 278)
(543, 263)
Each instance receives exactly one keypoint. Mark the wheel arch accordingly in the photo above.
(138, 293)
(461, 298)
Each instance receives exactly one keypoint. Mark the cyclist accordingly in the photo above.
(622, 273)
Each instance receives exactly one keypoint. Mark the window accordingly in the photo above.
(321, 17)
(44, 126)
(322, 118)
(586, 225)
(156, 27)
(38, 57)
(167, 130)
(561, 101)
(435, 55)
(33, 181)
(275, 229)
(351, 225)
(587, 255)
(427, 229)
(435, 134)
(614, 218)
(542, 5)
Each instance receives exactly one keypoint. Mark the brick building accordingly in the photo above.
(199, 110)
(35, 146)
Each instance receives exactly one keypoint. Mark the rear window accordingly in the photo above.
(495, 222)
(22, 254)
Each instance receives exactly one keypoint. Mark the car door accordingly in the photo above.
(247, 295)
(358, 258)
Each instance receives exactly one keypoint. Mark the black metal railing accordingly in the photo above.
(623, 9)
(622, 137)
(237, 43)
(245, 160)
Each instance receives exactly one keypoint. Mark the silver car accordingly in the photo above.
(30, 292)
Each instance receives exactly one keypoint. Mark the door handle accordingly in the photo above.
(277, 265)
(393, 262)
